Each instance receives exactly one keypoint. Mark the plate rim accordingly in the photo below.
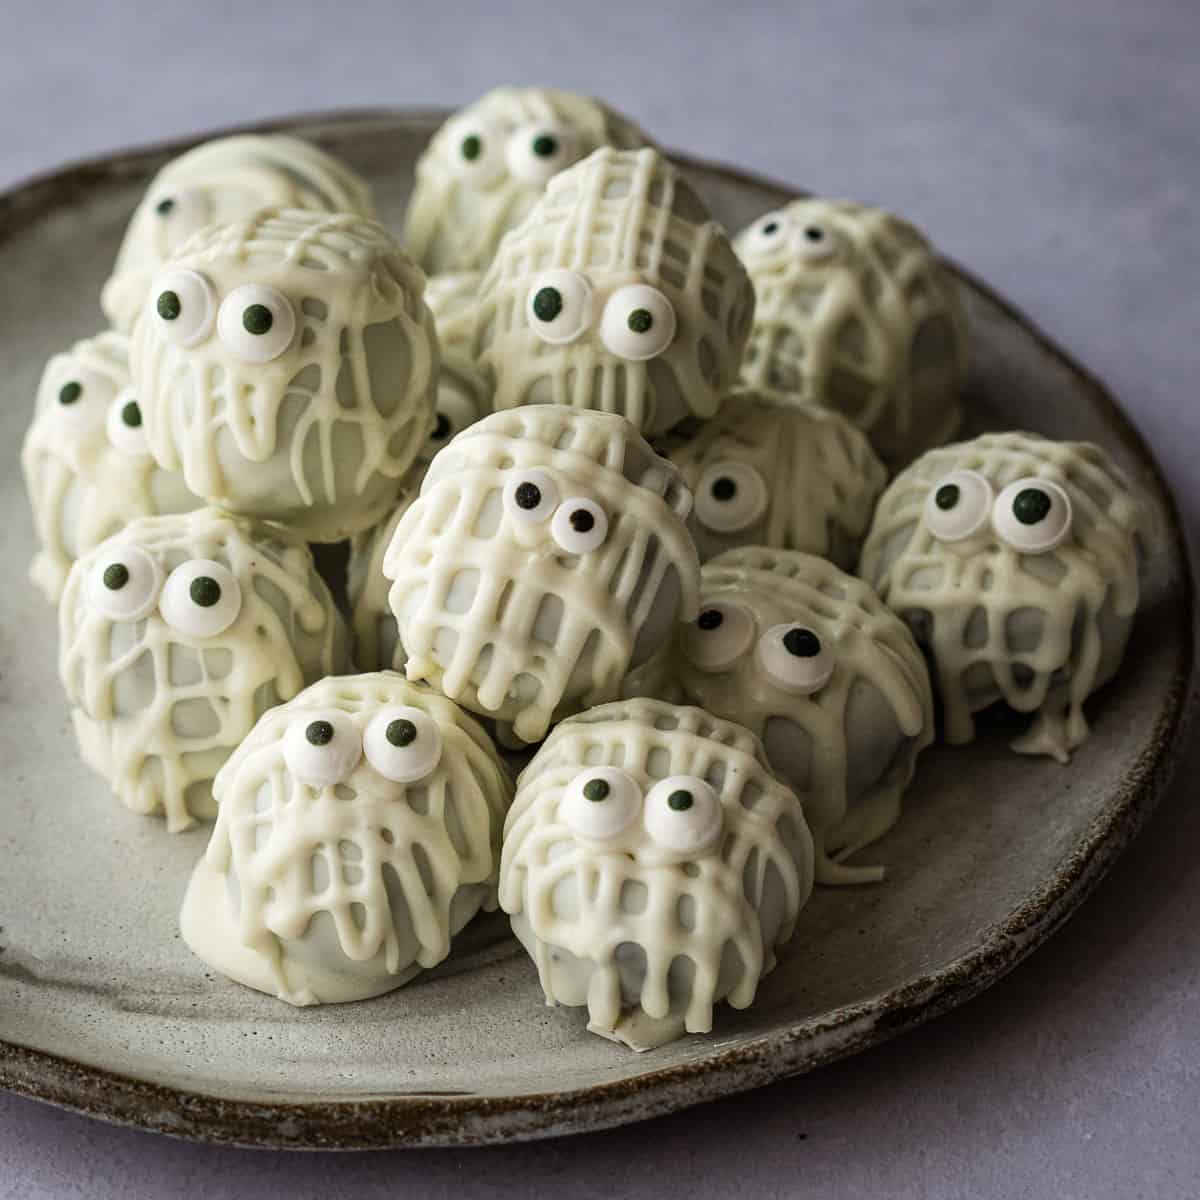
(431, 1119)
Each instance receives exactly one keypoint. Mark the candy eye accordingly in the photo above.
(683, 815)
(124, 424)
(530, 497)
(201, 598)
(81, 403)
(124, 584)
(559, 306)
(730, 496)
(402, 743)
(600, 804)
(181, 213)
(183, 306)
(454, 413)
(579, 526)
(535, 153)
(796, 659)
(257, 323)
(322, 748)
(958, 506)
(476, 152)
(638, 322)
(769, 232)
(1032, 515)
(718, 637)
(815, 241)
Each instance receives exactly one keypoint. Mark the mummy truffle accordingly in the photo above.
(1014, 559)
(790, 478)
(617, 293)
(809, 659)
(358, 831)
(856, 313)
(652, 866)
(176, 635)
(219, 181)
(546, 553)
(488, 164)
(288, 365)
(87, 469)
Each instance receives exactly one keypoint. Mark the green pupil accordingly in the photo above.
(319, 733)
(70, 392)
(116, 576)
(547, 303)
(163, 207)
(472, 147)
(401, 733)
(168, 305)
(596, 790)
(131, 415)
(257, 319)
(205, 591)
(802, 643)
(946, 497)
(724, 488)
(544, 145)
(680, 801)
(1031, 505)
(640, 320)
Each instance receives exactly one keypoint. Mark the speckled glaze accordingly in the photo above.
(103, 1010)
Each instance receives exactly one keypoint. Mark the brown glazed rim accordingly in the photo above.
(429, 1119)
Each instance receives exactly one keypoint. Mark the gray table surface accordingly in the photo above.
(1050, 145)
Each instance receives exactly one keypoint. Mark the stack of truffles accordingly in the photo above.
(616, 491)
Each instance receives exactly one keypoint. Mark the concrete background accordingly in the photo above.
(1051, 146)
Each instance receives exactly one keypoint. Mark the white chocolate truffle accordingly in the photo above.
(224, 180)
(546, 553)
(175, 636)
(358, 831)
(787, 477)
(288, 364)
(87, 469)
(652, 865)
(1014, 559)
(617, 293)
(376, 639)
(811, 661)
(856, 313)
(487, 165)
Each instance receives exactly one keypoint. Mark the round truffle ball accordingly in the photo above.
(358, 831)
(652, 866)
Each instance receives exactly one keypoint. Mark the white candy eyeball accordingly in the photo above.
(638, 322)
(815, 241)
(958, 506)
(454, 412)
(683, 815)
(81, 403)
(201, 598)
(719, 636)
(579, 526)
(600, 803)
(530, 497)
(124, 424)
(795, 659)
(402, 743)
(182, 306)
(559, 306)
(322, 748)
(768, 233)
(730, 496)
(536, 153)
(476, 151)
(256, 322)
(1032, 515)
(182, 212)
(124, 584)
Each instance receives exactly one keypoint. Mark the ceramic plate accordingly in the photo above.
(104, 1010)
